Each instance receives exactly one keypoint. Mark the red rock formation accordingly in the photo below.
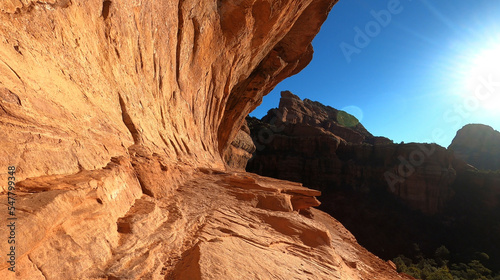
(240, 150)
(330, 150)
(292, 110)
(99, 225)
(374, 186)
(478, 145)
(117, 115)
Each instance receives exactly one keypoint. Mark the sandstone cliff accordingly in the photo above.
(118, 116)
(240, 150)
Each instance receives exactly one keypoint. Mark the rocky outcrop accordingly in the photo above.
(305, 141)
(240, 150)
(178, 77)
(390, 196)
(100, 225)
(118, 117)
(294, 111)
(478, 145)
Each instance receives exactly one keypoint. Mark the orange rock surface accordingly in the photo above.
(118, 116)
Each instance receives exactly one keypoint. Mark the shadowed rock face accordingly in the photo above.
(478, 145)
(121, 116)
(390, 196)
(328, 149)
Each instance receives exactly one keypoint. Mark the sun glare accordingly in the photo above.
(480, 78)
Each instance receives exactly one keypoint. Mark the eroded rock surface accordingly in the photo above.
(82, 82)
(241, 149)
(217, 225)
(118, 116)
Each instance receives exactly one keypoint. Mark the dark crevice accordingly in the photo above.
(162, 117)
(117, 53)
(186, 146)
(127, 120)
(140, 53)
(37, 267)
(180, 25)
(178, 144)
(145, 190)
(18, 50)
(106, 5)
(175, 148)
(196, 36)
(160, 79)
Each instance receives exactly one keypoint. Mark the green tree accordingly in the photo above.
(440, 274)
(401, 264)
(414, 272)
(479, 268)
(442, 256)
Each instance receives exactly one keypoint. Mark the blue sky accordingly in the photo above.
(410, 70)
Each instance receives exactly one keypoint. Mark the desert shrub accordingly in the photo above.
(440, 274)
(440, 268)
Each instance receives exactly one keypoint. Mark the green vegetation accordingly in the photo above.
(440, 268)
(347, 119)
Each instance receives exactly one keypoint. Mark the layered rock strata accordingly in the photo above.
(217, 225)
(118, 116)
(240, 150)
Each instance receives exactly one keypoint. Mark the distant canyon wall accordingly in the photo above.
(390, 196)
(328, 149)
